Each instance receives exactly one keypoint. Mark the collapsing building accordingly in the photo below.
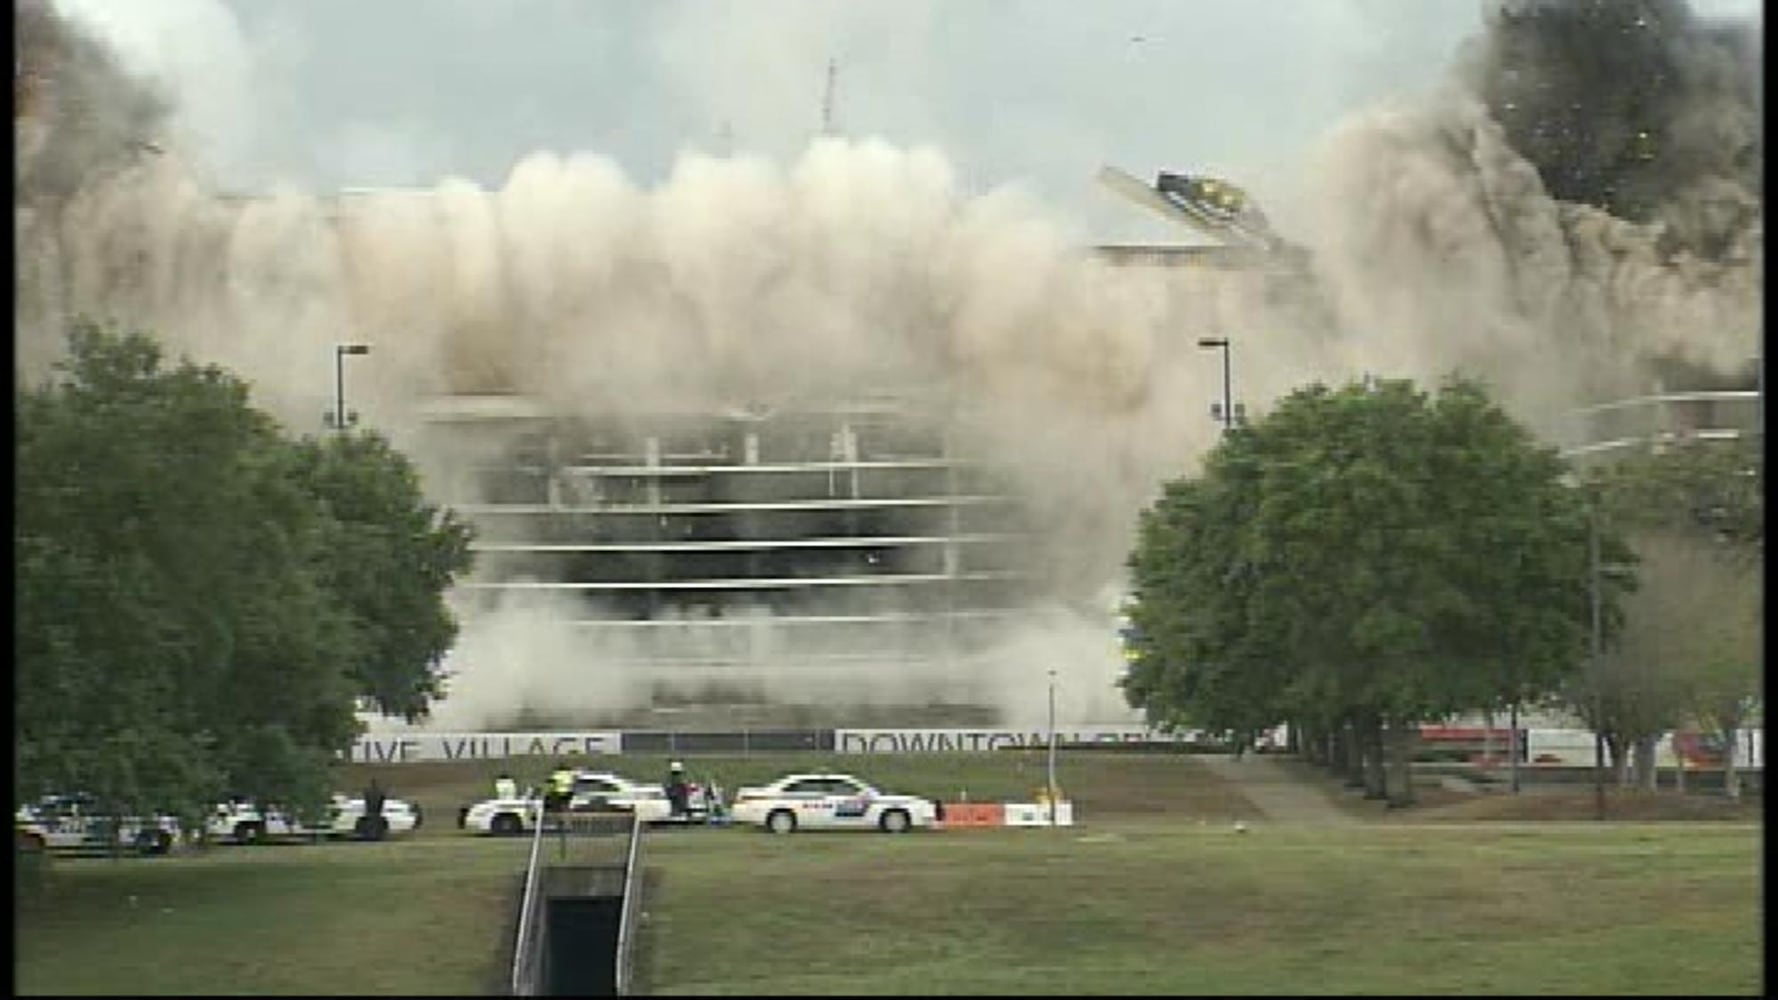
(746, 556)
(856, 550)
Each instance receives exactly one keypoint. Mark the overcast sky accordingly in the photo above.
(362, 93)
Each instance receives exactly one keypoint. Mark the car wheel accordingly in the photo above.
(895, 821)
(249, 833)
(781, 821)
(31, 842)
(506, 825)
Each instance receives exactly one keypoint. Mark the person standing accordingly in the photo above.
(371, 823)
(505, 787)
(678, 793)
(561, 790)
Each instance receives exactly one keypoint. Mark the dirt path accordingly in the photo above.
(1274, 790)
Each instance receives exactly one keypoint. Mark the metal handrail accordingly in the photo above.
(1659, 437)
(525, 956)
(626, 927)
(1701, 396)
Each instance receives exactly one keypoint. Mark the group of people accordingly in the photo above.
(560, 792)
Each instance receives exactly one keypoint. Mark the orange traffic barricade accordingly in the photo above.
(973, 814)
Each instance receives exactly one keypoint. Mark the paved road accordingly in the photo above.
(1275, 790)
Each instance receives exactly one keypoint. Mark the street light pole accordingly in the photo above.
(339, 380)
(1052, 749)
(1598, 649)
(1228, 410)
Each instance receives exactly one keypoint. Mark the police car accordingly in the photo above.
(829, 802)
(71, 823)
(593, 791)
(242, 822)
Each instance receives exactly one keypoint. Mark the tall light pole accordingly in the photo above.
(1052, 753)
(339, 381)
(1228, 409)
(1598, 651)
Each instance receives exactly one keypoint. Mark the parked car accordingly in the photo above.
(242, 822)
(593, 791)
(71, 823)
(830, 802)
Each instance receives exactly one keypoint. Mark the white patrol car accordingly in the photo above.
(594, 791)
(829, 802)
(74, 823)
(241, 822)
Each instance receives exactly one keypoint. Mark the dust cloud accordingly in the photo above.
(1436, 245)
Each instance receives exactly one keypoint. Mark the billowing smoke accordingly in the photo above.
(735, 283)
(1634, 107)
(1578, 215)
(78, 116)
(1444, 238)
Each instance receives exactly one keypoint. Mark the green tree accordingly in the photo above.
(388, 558)
(185, 627)
(1690, 649)
(1360, 560)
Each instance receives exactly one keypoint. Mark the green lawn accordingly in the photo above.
(1154, 908)
(426, 916)
(1142, 898)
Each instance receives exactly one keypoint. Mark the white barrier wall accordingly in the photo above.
(1575, 747)
(411, 747)
(970, 740)
(1038, 814)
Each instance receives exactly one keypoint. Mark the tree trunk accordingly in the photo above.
(1403, 738)
(1515, 746)
(1620, 764)
(1376, 779)
(1645, 762)
(1354, 737)
(1731, 778)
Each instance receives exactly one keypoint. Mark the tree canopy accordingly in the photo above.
(1367, 552)
(1690, 651)
(201, 598)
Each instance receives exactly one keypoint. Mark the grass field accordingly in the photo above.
(1151, 908)
(1154, 893)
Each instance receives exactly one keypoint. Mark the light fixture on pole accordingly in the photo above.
(1227, 412)
(338, 419)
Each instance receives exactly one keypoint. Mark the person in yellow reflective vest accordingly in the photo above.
(561, 789)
